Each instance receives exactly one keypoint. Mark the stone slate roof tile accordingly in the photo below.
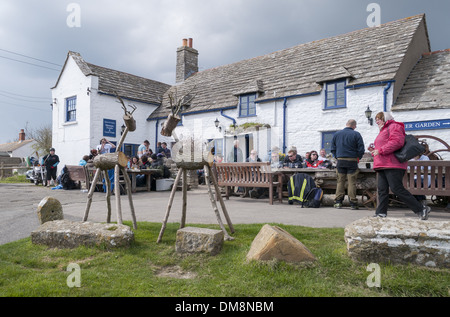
(368, 55)
(126, 85)
(428, 85)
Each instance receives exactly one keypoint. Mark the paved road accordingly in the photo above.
(18, 206)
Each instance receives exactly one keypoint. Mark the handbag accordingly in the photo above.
(410, 149)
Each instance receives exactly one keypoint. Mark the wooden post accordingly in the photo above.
(91, 192)
(214, 205)
(169, 206)
(130, 197)
(117, 193)
(222, 204)
(183, 213)
(108, 195)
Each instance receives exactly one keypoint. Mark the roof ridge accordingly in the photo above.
(436, 52)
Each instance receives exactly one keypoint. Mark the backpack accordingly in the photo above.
(66, 181)
(299, 185)
(314, 198)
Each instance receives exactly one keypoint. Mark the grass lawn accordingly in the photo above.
(151, 269)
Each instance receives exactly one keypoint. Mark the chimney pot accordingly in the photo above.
(190, 42)
(184, 42)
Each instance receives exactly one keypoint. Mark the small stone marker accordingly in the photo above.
(71, 234)
(272, 242)
(403, 241)
(194, 240)
(49, 209)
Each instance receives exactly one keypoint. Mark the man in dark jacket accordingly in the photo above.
(50, 161)
(348, 147)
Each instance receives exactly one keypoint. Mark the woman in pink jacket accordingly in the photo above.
(390, 171)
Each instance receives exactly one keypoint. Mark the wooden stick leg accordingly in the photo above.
(130, 196)
(108, 195)
(222, 203)
(117, 193)
(172, 194)
(183, 212)
(214, 205)
(91, 192)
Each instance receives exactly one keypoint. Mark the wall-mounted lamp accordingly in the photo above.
(217, 124)
(368, 113)
(122, 129)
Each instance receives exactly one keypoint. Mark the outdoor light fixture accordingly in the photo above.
(122, 129)
(369, 115)
(216, 123)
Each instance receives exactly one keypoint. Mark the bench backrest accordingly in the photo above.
(250, 173)
(77, 173)
(428, 178)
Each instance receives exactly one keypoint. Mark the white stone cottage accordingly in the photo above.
(301, 95)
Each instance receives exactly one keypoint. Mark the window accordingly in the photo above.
(327, 138)
(247, 105)
(130, 149)
(335, 95)
(71, 109)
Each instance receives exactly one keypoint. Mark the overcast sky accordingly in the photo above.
(141, 37)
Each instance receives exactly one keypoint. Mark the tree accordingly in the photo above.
(42, 136)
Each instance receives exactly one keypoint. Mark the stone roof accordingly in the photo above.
(126, 85)
(364, 56)
(12, 146)
(428, 85)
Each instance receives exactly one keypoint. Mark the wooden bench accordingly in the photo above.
(429, 178)
(78, 174)
(247, 175)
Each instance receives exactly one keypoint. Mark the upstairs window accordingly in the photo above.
(247, 107)
(71, 109)
(335, 96)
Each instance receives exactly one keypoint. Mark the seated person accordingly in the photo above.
(313, 160)
(293, 160)
(145, 164)
(133, 163)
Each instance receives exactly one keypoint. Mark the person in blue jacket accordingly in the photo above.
(347, 147)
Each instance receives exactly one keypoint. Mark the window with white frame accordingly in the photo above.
(335, 96)
(247, 106)
(71, 109)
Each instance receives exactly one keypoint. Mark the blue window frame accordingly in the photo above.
(71, 109)
(335, 95)
(247, 106)
(327, 138)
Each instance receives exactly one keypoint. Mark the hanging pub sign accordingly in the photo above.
(109, 128)
(427, 125)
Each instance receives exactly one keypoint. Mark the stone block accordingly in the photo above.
(272, 242)
(49, 209)
(402, 241)
(194, 240)
(70, 234)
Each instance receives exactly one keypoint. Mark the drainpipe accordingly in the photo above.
(156, 133)
(284, 124)
(224, 115)
(385, 92)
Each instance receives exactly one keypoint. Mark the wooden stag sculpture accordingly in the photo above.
(117, 161)
(191, 154)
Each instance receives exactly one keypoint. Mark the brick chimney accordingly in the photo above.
(21, 135)
(187, 61)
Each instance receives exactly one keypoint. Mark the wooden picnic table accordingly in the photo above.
(147, 172)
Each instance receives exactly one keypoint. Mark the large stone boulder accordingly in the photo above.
(49, 209)
(70, 234)
(272, 242)
(403, 241)
(196, 240)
